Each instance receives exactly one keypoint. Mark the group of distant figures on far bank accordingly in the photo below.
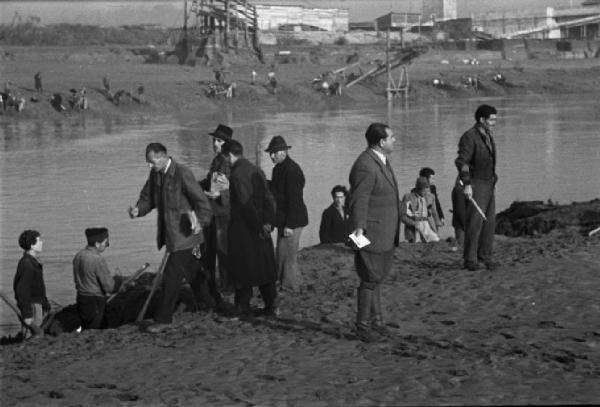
(218, 232)
(220, 87)
(76, 100)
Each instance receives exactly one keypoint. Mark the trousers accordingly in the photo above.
(287, 258)
(243, 295)
(181, 264)
(216, 248)
(479, 234)
(91, 311)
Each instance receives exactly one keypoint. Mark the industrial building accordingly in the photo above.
(299, 18)
(577, 23)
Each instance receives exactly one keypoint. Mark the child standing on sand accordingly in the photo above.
(29, 287)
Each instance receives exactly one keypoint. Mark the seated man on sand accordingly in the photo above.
(418, 213)
(93, 281)
(335, 225)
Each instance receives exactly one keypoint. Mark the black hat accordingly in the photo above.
(223, 132)
(96, 235)
(277, 144)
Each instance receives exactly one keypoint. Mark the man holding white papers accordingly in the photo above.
(374, 215)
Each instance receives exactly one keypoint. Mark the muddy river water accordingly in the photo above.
(62, 178)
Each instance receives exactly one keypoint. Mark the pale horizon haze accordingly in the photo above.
(81, 11)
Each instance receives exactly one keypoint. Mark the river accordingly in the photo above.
(62, 178)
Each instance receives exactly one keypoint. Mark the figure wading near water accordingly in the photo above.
(476, 164)
(37, 79)
(182, 211)
(251, 253)
(287, 186)
(93, 280)
(374, 214)
(28, 284)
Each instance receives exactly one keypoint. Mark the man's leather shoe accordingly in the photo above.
(469, 265)
(366, 334)
(268, 312)
(491, 265)
(157, 328)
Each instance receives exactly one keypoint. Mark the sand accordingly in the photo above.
(527, 333)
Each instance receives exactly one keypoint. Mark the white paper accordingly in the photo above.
(360, 241)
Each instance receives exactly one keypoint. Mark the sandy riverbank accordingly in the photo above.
(181, 90)
(527, 333)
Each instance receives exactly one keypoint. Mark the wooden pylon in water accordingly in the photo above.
(395, 89)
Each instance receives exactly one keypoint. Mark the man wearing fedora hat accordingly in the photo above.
(216, 188)
(374, 214)
(92, 279)
(287, 185)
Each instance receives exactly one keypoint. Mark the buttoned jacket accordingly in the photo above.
(476, 159)
(374, 201)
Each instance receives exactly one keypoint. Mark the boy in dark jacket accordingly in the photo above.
(29, 287)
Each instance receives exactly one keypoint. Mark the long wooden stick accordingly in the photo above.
(478, 208)
(129, 281)
(12, 306)
(154, 287)
(33, 328)
(594, 231)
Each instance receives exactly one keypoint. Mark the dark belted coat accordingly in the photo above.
(251, 253)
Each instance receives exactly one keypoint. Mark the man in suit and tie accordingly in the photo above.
(374, 213)
(476, 164)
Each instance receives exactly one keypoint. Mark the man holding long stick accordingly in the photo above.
(476, 164)
(182, 211)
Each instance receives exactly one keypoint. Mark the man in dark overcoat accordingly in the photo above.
(374, 214)
(287, 186)
(251, 253)
(216, 188)
(183, 210)
(476, 164)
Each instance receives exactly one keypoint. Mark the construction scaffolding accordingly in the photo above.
(223, 25)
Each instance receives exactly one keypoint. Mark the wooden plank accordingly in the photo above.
(362, 77)
(346, 67)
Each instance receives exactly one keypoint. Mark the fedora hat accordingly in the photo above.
(223, 132)
(277, 144)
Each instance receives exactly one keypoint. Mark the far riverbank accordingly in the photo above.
(173, 89)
